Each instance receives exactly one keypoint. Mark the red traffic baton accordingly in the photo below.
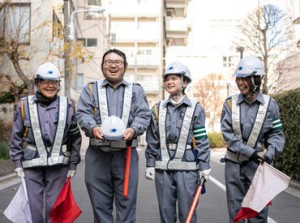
(195, 201)
(127, 169)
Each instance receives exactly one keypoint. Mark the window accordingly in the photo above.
(94, 2)
(91, 42)
(227, 61)
(79, 82)
(88, 42)
(57, 27)
(15, 22)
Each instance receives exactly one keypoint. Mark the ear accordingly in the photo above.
(185, 83)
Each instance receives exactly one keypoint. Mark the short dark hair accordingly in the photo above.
(116, 51)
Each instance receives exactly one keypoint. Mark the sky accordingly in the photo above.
(200, 14)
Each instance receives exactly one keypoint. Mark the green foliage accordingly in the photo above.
(216, 140)
(15, 93)
(289, 160)
(6, 97)
(4, 151)
(5, 132)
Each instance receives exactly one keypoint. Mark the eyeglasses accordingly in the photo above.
(50, 82)
(115, 62)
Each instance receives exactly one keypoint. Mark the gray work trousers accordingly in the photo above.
(238, 178)
(104, 178)
(43, 187)
(175, 187)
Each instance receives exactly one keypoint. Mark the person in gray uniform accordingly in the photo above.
(253, 133)
(45, 142)
(178, 149)
(106, 157)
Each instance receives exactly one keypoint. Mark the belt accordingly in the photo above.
(121, 144)
(239, 158)
(173, 146)
(109, 149)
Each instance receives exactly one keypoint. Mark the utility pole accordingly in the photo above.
(67, 50)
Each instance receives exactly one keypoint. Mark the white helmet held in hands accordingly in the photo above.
(249, 66)
(178, 68)
(113, 128)
(47, 71)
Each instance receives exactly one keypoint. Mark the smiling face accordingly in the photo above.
(113, 68)
(243, 84)
(48, 88)
(173, 84)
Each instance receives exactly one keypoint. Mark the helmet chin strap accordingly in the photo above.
(177, 96)
(254, 86)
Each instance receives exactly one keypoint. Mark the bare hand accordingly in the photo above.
(128, 134)
(97, 132)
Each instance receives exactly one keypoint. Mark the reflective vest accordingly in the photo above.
(177, 162)
(259, 120)
(103, 107)
(55, 154)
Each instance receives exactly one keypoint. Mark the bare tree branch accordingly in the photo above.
(265, 32)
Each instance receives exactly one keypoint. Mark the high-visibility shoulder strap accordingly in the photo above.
(155, 109)
(228, 102)
(23, 117)
(91, 91)
(22, 110)
(156, 112)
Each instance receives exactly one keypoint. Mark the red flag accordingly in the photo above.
(65, 209)
(267, 183)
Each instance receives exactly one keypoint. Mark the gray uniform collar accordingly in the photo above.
(105, 83)
(185, 100)
(259, 98)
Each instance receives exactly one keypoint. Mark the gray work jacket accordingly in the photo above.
(26, 148)
(270, 135)
(88, 112)
(173, 128)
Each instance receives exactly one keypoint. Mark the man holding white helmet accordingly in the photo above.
(177, 150)
(253, 132)
(45, 142)
(112, 112)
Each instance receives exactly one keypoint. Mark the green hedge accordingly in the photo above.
(289, 160)
(4, 151)
(216, 140)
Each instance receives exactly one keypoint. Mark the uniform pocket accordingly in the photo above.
(29, 153)
(189, 155)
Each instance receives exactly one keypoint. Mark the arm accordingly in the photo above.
(74, 139)
(275, 137)
(201, 138)
(153, 143)
(85, 111)
(18, 129)
(141, 112)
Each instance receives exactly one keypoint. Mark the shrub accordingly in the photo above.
(5, 131)
(4, 151)
(288, 161)
(216, 140)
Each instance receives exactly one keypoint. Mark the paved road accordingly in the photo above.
(211, 208)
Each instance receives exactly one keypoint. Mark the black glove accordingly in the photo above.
(256, 158)
(266, 159)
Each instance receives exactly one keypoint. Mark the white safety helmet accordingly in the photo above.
(249, 66)
(47, 71)
(178, 68)
(113, 128)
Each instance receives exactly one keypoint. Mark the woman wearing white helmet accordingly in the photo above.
(252, 129)
(177, 150)
(45, 143)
